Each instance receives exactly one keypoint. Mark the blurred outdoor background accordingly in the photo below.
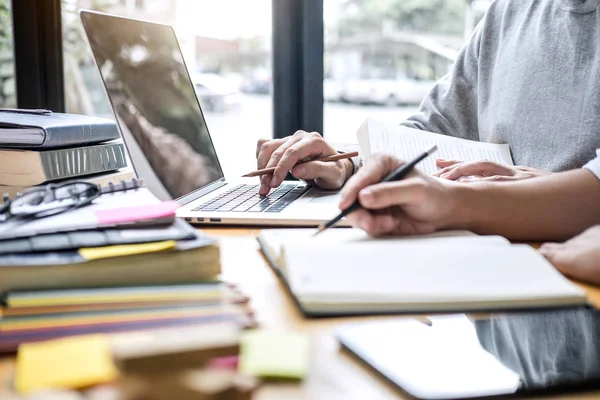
(381, 58)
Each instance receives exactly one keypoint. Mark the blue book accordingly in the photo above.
(43, 129)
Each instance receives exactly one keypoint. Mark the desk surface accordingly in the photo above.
(333, 374)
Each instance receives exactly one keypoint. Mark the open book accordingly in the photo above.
(344, 272)
(407, 143)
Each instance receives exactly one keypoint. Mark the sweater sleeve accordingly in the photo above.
(450, 108)
(594, 165)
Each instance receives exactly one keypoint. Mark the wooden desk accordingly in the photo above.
(333, 374)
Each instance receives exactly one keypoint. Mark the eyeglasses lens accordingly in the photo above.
(53, 199)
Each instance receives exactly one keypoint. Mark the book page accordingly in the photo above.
(406, 143)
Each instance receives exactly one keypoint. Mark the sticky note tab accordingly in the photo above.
(95, 253)
(69, 363)
(137, 213)
(274, 355)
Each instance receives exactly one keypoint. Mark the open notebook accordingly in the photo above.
(406, 143)
(343, 272)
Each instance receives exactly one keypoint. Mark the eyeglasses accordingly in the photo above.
(54, 199)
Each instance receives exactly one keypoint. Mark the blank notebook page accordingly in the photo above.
(420, 273)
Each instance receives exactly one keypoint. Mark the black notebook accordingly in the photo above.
(179, 230)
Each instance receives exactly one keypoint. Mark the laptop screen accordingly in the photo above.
(155, 103)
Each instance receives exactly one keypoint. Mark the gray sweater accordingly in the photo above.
(529, 77)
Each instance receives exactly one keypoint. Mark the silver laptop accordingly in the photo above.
(167, 139)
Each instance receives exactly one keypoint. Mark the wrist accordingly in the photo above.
(348, 167)
(463, 205)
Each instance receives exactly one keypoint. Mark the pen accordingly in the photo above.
(395, 175)
(335, 157)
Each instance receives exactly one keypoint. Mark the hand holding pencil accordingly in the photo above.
(302, 154)
(397, 174)
(417, 204)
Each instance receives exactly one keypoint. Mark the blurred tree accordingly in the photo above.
(83, 95)
(7, 72)
(422, 16)
(73, 36)
(5, 25)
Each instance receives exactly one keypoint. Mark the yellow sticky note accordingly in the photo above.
(95, 253)
(274, 354)
(68, 363)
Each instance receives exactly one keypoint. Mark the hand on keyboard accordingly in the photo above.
(245, 198)
(285, 153)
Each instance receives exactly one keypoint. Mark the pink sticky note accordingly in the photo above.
(230, 362)
(133, 214)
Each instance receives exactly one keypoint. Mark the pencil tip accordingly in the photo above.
(320, 229)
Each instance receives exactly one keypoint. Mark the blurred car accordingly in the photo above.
(389, 92)
(216, 93)
(258, 83)
(257, 87)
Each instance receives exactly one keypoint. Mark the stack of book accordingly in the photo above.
(123, 263)
(39, 146)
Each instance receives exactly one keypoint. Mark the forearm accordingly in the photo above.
(553, 207)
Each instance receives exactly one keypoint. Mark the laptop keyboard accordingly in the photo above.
(245, 198)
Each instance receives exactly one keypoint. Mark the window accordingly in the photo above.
(8, 96)
(383, 56)
(227, 49)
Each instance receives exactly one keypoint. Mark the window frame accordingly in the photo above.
(297, 70)
(38, 54)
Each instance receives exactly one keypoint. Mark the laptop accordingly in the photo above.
(167, 138)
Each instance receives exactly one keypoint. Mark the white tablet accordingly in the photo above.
(459, 358)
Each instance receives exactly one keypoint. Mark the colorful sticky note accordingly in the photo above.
(69, 363)
(137, 213)
(267, 354)
(121, 250)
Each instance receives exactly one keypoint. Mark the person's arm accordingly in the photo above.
(553, 207)
(450, 108)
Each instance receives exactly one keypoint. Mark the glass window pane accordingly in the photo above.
(228, 55)
(8, 97)
(383, 56)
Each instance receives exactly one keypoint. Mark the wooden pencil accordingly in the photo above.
(335, 157)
